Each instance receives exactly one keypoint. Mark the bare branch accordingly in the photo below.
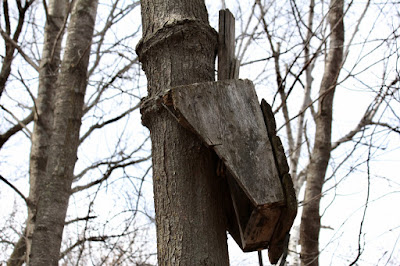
(346, 52)
(21, 52)
(15, 189)
(16, 119)
(9, 57)
(294, 158)
(366, 202)
(15, 129)
(394, 129)
(29, 92)
(46, 10)
(108, 173)
(279, 80)
(61, 31)
(7, 17)
(80, 219)
(112, 18)
(367, 118)
(112, 120)
(241, 52)
(88, 239)
(103, 88)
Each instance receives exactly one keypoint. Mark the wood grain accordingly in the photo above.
(227, 117)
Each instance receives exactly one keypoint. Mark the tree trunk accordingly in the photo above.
(44, 112)
(179, 47)
(55, 183)
(43, 117)
(310, 220)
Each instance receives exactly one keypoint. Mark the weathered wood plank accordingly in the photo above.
(227, 116)
(251, 227)
(279, 238)
(286, 219)
(260, 228)
(227, 64)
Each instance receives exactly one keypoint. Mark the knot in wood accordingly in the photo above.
(149, 106)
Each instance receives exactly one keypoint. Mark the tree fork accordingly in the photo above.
(179, 47)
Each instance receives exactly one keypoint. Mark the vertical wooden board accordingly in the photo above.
(226, 45)
(226, 115)
(286, 219)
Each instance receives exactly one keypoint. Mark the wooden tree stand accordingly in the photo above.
(227, 117)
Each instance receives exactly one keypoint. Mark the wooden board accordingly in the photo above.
(278, 242)
(227, 117)
(228, 65)
(260, 228)
(256, 226)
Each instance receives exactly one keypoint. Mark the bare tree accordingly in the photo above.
(284, 47)
(44, 110)
(310, 219)
(54, 188)
(95, 174)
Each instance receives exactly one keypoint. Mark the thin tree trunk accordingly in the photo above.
(44, 109)
(310, 220)
(52, 198)
(43, 117)
(179, 47)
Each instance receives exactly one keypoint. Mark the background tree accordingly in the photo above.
(114, 168)
(315, 176)
(290, 42)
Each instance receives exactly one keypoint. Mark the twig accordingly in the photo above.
(13, 43)
(260, 262)
(29, 92)
(366, 203)
(4, 137)
(15, 189)
(16, 119)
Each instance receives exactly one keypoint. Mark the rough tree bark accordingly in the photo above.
(310, 219)
(179, 47)
(53, 187)
(43, 117)
(44, 108)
